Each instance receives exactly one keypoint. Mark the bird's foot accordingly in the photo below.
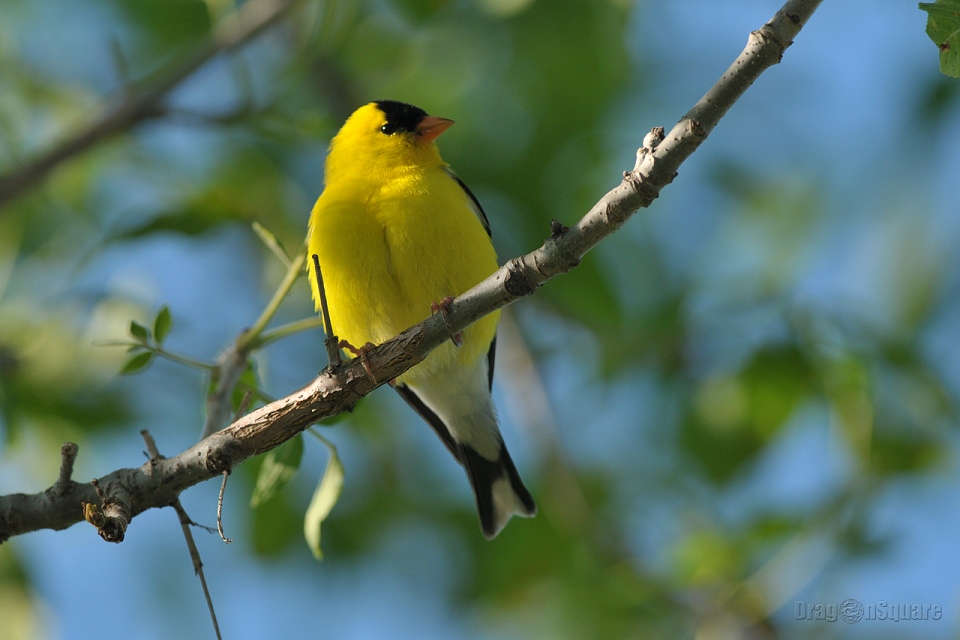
(444, 308)
(362, 354)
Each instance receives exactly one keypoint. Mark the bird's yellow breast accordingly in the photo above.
(390, 251)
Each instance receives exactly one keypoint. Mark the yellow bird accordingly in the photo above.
(396, 232)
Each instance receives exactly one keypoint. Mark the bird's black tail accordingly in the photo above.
(498, 489)
(497, 486)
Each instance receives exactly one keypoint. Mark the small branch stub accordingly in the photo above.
(68, 456)
(111, 517)
(557, 229)
(517, 282)
(652, 139)
(152, 449)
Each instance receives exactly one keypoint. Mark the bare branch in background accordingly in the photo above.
(138, 102)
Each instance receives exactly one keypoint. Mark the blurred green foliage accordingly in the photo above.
(734, 355)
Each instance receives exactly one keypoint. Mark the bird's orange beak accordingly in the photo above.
(432, 126)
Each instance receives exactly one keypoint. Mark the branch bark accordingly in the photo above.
(138, 103)
(159, 482)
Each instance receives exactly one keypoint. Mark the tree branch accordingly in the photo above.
(137, 103)
(158, 483)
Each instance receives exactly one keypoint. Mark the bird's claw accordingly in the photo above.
(362, 354)
(444, 308)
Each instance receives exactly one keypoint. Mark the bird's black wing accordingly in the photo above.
(478, 211)
(491, 357)
(474, 203)
(431, 418)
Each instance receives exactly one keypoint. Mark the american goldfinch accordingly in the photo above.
(396, 232)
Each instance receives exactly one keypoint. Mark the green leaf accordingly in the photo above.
(162, 323)
(906, 452)
(278, 468)
(162, 27)
(137, 362)
(734, 416)
(324, 499)
(706, 558)
(943, 27)
(419, 11)
(276, 526)
(139, 331)
(248, 382)
(188, 220)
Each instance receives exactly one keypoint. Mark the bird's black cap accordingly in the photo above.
(400, 115)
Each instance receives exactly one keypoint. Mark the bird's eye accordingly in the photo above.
(388, 129)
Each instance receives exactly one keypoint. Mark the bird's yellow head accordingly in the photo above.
(384, 138)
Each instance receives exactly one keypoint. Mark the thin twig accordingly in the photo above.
(271, 242)
(180, 359)
(223, 488)
(248, 340)
(289, 329)
(330, 341)
(159, 351)
(185, 523)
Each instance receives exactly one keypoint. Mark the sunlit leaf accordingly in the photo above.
(324, 499)
(943, 27)
(162, 324)
(279, 466)
(707, 558)
(139, 331)
(137, 363)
